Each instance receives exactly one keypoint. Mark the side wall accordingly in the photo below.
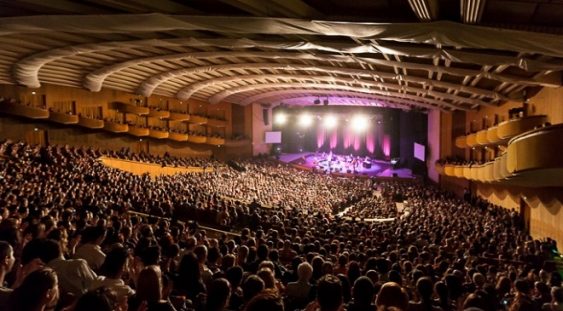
(261, 123)
(546, 215)
(100, 105)
(433, 151)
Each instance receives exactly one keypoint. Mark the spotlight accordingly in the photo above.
(360, 123)
(280, 118)
(330, 121)
(305, 120)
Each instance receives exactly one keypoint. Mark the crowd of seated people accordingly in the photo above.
(164, 160)
(271, 183)
(373, 207)
(459, 161)
(69, 242)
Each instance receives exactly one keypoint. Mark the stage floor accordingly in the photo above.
(378, 168)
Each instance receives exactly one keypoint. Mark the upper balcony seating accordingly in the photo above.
(531, 159)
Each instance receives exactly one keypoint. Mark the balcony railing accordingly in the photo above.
(178, 136)
(158, 134)
(501, 133)
(90, 123)
(63, 118)
(130, 108)
(138, 131)
(197, 139)
(23, 111)
(116, 127)
(198, 119)
(178, 116)
(160, 114)
(216, 123)
(215, 141)
(531, 159)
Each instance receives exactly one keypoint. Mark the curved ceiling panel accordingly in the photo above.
(248, 59)
(366, 87)
(304, 90)
(279, 97)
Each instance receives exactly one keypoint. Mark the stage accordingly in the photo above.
(342, 164)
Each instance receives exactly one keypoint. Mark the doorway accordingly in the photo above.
(525, 215)
(37, 136)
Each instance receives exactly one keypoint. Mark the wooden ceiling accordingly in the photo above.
(220, 60)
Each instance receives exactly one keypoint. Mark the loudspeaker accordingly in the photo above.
(265, 116)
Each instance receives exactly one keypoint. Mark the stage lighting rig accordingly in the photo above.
(330, 121)
(305, 120)
(280, 118)
(359, 123)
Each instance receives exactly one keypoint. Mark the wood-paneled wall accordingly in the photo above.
(101, 104)
(259, 129)
(546, 203)
(546, 217)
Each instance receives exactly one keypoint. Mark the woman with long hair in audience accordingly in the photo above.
(39, 291)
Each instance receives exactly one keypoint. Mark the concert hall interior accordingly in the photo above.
(274, 155)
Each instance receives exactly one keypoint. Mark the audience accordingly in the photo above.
(76, 235)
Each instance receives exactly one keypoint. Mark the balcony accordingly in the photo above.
(159, 114)
(216, 123)
(130, 108)
(492, 135)
(481, 137)
(138, 131)
(23, 111)
(471, 140)
(458, 171)
(467, 172)
(178, 116)
(197, 139)
(461, 142)
(63, 118)
(90, 123)
(537, 154)
(439, 168)
(215, 141)
(511, 128)
(116, 127)
(178, 136)
(501, 133)
(158, 134)
(449, 170)
(531, 159)
(198, 119)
